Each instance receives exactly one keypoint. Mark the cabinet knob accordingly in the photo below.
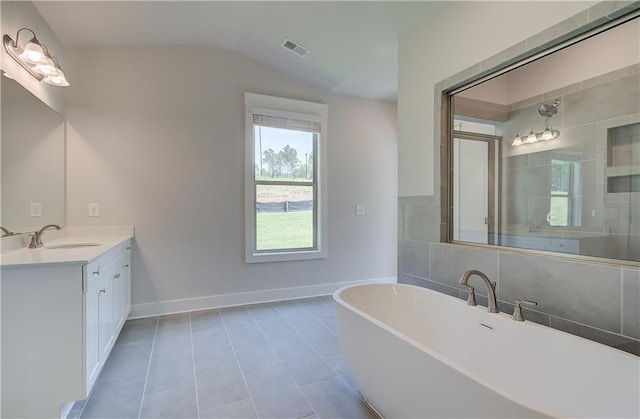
(97, 272)
(126, 266)
(103, 290)
(128, 247)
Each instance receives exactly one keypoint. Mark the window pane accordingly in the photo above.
(283, 154)
(559, 213)
(284, 217)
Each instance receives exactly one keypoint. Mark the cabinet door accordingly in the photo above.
(118, 295)
(105, 326)
(92, 323)
(126, 280)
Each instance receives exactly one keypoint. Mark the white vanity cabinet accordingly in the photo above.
(107, 305)
(59, 323)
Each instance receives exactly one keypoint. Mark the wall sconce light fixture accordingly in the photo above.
(533, 137)
(35, 58)
(548, 111)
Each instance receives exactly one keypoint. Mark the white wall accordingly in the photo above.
(155, 136)
(20, 14)
(456, 36)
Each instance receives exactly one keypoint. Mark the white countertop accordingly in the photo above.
(107, 237)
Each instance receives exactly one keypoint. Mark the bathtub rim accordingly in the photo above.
(440, 357)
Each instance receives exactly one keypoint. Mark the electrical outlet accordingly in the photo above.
(360, 210)
(35, 209)
(94, 210)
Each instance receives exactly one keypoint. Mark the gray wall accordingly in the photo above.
(163, 150)
(594, 300)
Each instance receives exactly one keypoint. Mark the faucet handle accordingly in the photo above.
(471, 301)
(34, 243)
(517, 311)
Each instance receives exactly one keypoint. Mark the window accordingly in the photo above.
(565, 208)
(285, 185)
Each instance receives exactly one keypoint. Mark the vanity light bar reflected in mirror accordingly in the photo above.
(35, 59)
(549, 111)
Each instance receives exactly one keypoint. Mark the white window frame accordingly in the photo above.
(276, 106)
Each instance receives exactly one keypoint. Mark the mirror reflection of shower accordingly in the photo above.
(548, 110)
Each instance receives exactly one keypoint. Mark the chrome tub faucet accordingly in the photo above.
(490, 285)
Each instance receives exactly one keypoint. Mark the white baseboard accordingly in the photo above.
(242, 298)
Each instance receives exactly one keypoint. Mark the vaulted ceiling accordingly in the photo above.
(353, 44)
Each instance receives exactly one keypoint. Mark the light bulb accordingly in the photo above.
(57, 79)
(33, 52)
(532, 137)
(47, 67)
(517, 141)
(547, 134)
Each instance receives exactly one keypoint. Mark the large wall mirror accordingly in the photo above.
(546, 156)
(33, 161)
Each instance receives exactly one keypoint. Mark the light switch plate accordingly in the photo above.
(35, 209)
(94, 210)
(360, 209)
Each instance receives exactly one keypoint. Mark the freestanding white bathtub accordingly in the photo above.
(416, 353)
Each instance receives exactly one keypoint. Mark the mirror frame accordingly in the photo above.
(571, 31)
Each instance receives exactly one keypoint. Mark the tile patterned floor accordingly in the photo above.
(279, 360)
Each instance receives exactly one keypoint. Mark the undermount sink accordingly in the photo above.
(71, 245)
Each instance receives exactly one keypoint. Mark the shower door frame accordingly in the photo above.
(494, 184)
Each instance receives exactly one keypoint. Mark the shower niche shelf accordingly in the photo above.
(623, 158)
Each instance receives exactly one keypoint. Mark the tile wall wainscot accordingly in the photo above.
(596, 301)
(592, 300)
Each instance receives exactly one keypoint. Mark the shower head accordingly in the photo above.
(549, 110)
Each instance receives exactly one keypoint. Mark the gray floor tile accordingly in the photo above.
(173, 321)
(262, 312)
(322, 339)
(255, 355)
(126, 360)
(115, 398)
(327, 299)
(242, 331)
(329, 320)
(277, 329)
(297, 316)
(172, 343)
(302, 362)
(333, 399)
(170, 374)
(235, 313)
(239, 410)
(173, 404)
(212, 348)
(207, 321)
(137, 331)
(276, 395)
(337, 363)
(219, 385)
(279, 346)
(316, 306)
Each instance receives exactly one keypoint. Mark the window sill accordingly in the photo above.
(285, 256)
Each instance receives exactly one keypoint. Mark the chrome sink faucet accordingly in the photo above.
(491, 290)
(36, 239)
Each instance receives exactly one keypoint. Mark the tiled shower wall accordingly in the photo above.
(608, 220)
(596, 301)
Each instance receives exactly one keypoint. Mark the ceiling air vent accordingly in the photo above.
(296, 48)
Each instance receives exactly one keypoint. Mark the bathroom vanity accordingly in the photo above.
(63, 306)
